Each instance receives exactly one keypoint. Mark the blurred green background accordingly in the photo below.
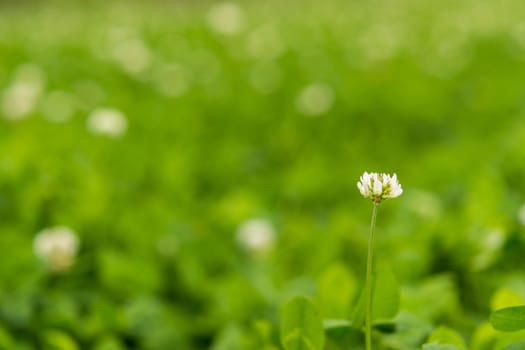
(206, 155)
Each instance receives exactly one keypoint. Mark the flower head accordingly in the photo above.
(21, 97)
(226, 18)
(256, 236)
(107, 121)
(315, 99)
(57, 247)
(377, 187)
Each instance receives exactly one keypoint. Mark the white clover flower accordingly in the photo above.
(57, 247)
(256, 236)
(315, 99)
(107, 121)
(21, 97)
(489, 244)
(133, 55)
(226, 18)
(377, 187)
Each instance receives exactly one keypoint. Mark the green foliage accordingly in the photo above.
(446, 336)
(337, 288)
(410, 333)
(436, 346)
(340, 334)
(108, 343)
(385, 299)
(57, 340)
(509, 319)
(516, 346)
(6, 341)
(301, 325)
(505, 297)
(433, 298)
(484, 337)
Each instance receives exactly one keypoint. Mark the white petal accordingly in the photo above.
(378, 188)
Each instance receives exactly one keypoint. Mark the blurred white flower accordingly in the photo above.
(379, 186)
(489, 244)
(132, 54)
(119, 33)
(518, 32)
(20, 98)
(57, 106)
(107, 121)
(256, 236)
(315, 99)
(495, 239)
(521, 215)
(226, 18)
(57, 247)
(380, 42)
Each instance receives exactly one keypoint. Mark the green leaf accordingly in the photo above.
(516, 346)
(337, 288)
(504, 340)
(6, 341)
(342, 333)
(483, 337)
(447, 336)
(108, 342)
(301, 326)
(385, 299)
(505, 297)
(229, 338)
(385, 326)
(410, 333)
(434, 298)
(509, 319)
(58, 340)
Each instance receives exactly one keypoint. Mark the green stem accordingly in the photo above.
(368, 285)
